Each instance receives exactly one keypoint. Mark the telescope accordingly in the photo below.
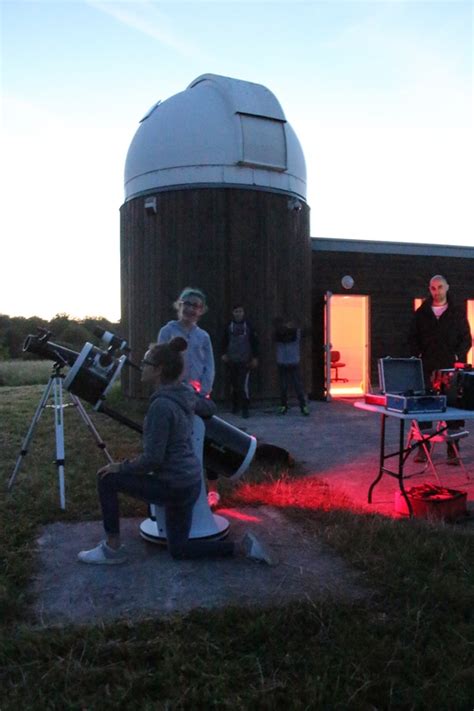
(41, 346)
(92, 372)
(224, 449)
(112, 341)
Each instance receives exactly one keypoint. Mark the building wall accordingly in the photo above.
(392, 281)
(239, 246)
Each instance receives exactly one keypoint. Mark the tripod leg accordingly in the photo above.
(59, 431)
(82, 411)
(29, 435)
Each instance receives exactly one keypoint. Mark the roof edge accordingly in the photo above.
(330, 244)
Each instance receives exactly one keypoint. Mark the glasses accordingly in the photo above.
(192, 304)
(147, 362)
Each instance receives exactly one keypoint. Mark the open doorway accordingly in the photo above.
(347, 345)
(470, 318)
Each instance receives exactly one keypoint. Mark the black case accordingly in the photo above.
(416, 403)
(458, 386)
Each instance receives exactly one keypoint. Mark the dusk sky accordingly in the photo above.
(380, 95)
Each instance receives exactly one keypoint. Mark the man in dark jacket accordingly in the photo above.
(240, 351)
(440, 335)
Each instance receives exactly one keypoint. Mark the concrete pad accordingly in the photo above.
(152, 584)
(337, 444)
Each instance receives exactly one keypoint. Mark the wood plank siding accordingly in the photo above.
(392, 281)
(238, 245)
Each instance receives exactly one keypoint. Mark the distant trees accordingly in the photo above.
(64, 329)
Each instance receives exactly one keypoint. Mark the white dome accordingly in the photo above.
(218, 132)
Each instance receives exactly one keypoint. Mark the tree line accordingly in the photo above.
(64, 330)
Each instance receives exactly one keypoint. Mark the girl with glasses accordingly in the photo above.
(167, 472)
(199, 369)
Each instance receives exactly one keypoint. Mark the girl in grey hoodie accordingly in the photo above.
(167, 473)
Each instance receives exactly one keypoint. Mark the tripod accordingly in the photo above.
(55, 384)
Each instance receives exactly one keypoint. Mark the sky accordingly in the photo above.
(380, 95)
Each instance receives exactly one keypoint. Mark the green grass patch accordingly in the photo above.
(409, 646)
(24, 372)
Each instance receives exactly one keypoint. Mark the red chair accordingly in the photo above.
(335, 365)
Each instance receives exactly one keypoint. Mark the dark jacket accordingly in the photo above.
(167, 445)
(439, 342)
(240, 342)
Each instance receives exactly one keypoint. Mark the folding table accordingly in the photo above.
(451, 413)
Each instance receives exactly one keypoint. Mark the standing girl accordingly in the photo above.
(199, 367)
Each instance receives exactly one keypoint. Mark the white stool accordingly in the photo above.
(205, 524)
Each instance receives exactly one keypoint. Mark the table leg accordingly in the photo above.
(381, 458)
(401, 461)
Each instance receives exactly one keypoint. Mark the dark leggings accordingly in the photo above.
(178, 504)
(239, 381)
(291, 374)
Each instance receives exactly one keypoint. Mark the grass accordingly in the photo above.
(24, 372)
(409, 647)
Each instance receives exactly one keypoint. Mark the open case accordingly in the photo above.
(402, 382)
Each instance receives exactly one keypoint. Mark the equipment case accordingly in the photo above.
(458, 386)
(416, 403)
(401, 379)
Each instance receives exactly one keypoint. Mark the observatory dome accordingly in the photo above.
(218, 132)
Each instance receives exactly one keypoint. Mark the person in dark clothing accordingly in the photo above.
(240, 354)
(287, 338)
(167, 473)
(440, 335)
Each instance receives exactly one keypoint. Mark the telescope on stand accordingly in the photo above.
(226, 450)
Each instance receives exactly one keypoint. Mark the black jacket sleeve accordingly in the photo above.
(414, 345)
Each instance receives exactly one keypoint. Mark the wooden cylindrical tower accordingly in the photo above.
(215, 187)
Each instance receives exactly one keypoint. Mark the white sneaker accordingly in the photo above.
(103, 555)
(213, 499)
(256, 550)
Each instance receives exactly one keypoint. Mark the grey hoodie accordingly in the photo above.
(167, 445)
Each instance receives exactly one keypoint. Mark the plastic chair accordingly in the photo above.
(335, 365)
(433, 437)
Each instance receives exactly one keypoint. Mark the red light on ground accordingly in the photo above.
(318, 493)
(239, 516)
(304, 493)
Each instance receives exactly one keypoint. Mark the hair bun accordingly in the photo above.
(178, 344)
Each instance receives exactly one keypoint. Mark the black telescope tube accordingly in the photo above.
(114, 415)
(49, 350)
